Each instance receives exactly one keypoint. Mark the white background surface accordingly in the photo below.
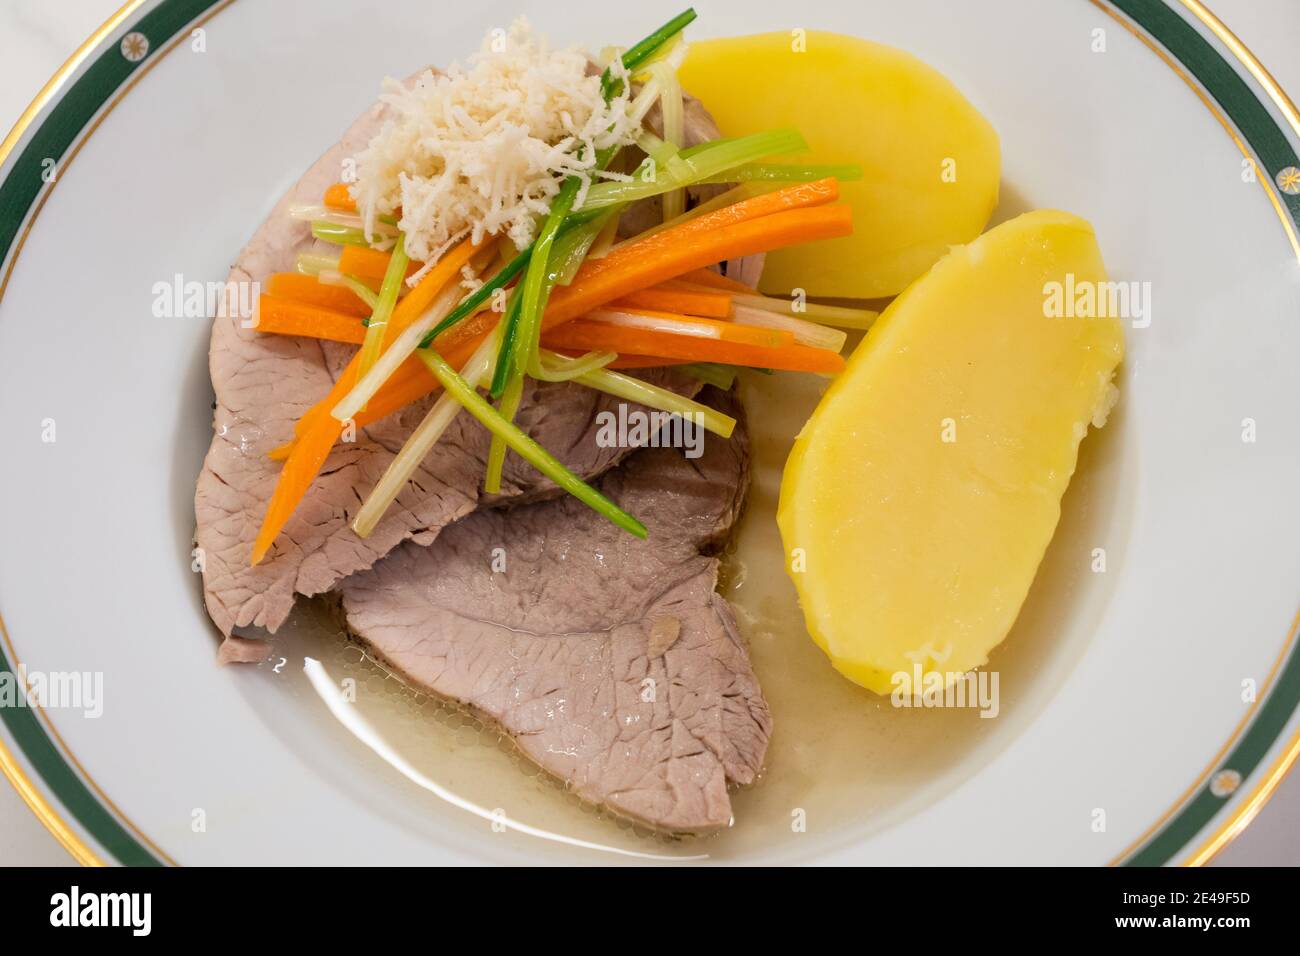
(36, 36)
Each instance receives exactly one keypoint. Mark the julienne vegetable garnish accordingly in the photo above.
(525, 447)
(553, 295)
(377, 328)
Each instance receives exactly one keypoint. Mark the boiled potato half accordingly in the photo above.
(930, 161)
(921, 496)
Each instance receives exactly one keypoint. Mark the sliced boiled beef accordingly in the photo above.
(611, 661)
(264, 383)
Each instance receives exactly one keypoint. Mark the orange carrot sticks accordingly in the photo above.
(308, 289)
(368, 264)
(338, 197)
(692, 326)
(300, 470)
(317, 431)
(715, 280)
(667, 298)
(291, 317)
(594, 336)
(673, 252)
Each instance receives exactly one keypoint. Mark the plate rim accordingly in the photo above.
(56, 787)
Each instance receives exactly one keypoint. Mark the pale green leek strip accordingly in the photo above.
(422, 440)
(573, 245)
(533, 291)
(711, 373)
(635, 390)
(805, 333)
(340, 217)
(665, 52)
(508, 407)
(398, 352)
(644, 50)
(663, 153)
(363, 291)
(711, 159)
(346, 235)
(310, 264)
(673, 111)
(639, 107)
(525, 447)
(605, 240)
(654, 147)
(546, 370)
(836, 315)
(730, 197)
(376, 331)
(535, 287)
(794, 173)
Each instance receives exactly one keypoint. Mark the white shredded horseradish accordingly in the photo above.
(483, 149)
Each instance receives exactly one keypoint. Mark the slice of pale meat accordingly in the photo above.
(264, 383)
(611, 661)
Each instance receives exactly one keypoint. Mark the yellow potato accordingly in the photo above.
(920, 497)
(930, 161)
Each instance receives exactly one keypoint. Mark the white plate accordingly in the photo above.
(1128, 730)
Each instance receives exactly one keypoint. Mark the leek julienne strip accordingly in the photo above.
(776, 173)
(635, 390)
(525, 447)
(533, 292)
(509, 325)
(642, 51)
(604, 241)
(805, 332)
(508, 407)
(546, 369)
(310, 264)
(422, 440)
(378, 326)
(396, 353)
(442, 305)
(341, 217)
(712, 159)
(710, 373)
(674, 120)
(839, 316)
(359, 288)
(573, 244)
(471, 303)
(347, 235)
(536, 283)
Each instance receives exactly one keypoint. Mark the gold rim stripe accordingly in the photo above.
(1246, 811)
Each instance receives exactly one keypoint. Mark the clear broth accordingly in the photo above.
(842, 762)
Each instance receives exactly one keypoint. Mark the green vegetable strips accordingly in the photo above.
(640, 52)
(525, 447)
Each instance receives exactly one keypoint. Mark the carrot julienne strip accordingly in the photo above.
(368, 264)
(377, 328)
(766, 222)
(667, 255)
(339, 197)
(759, 235)
(300, 470)
(305, 459)
(290, 317)
(691, 326)
(666, 298)
(716, 280)
(587, 336)
(309, 289)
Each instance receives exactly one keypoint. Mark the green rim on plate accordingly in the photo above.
(121, 54)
